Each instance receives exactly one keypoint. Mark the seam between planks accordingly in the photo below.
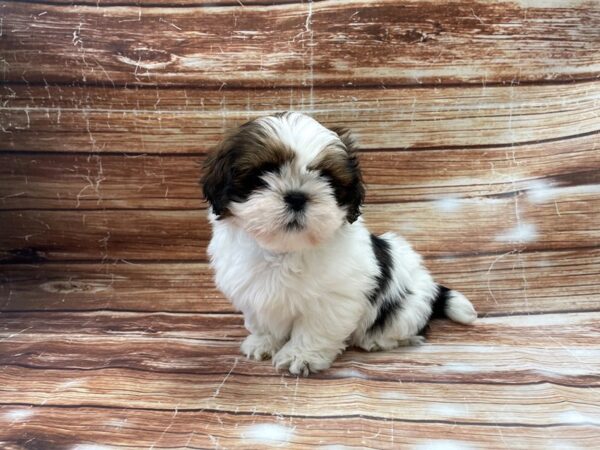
(299, 416)
(369, 150)
(108, 262)
(231, 4)
(318, 376)
(231, 87)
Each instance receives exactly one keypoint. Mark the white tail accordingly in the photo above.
(459, 308)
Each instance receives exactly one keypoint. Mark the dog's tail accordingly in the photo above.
(454, 305)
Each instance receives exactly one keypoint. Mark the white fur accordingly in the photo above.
(460, 309)
(304, 293)
(322, 219)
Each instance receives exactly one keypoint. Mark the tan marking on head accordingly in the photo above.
(333, 162)
(231, 170)
(340, 164)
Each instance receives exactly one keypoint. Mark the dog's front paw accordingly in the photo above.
(259, 347)
(299, 361)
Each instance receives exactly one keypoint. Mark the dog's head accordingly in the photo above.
(286, 179)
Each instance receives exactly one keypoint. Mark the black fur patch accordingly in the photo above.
(387, 306)
(381, 249)
(253, 180)
(385, 313)
(438, 307)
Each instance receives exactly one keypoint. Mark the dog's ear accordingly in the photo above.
(217, 176)
(355, 195)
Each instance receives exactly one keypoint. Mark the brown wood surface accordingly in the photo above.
(60, 181)
(510, 283)
(227, 327)
(164, 347)
(466, 226)
(302, 44)
(479, 127)
(527, 404)
(52, 428)
(134, 120)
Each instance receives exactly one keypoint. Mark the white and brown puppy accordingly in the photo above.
(291, 252)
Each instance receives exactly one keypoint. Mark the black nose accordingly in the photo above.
(295, 200)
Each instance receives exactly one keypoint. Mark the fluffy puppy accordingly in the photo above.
(291, 252)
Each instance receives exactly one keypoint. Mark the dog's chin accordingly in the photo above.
(290, 236)
(290, 241)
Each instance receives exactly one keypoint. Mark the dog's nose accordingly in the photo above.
(295, 200)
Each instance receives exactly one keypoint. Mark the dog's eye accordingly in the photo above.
(328, 176)
(254, 180)
(269, 167)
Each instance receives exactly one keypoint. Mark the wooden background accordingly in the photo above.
(480, 128)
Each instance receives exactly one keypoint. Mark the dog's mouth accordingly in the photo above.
(294, 225)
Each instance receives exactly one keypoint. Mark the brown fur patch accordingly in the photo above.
(233, 169)
(343, 171)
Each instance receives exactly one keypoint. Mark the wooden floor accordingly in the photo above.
(479, 123)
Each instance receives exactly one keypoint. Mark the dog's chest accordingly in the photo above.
(285, 285)
(255, 280)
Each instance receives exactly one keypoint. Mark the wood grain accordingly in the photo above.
(575, 330)
(167, 3)
(172, 287)
(480, 143)
(511, 283)
(563, 219)
(473, 362)
(65, 181)
(58, 428)
(49, 118)
(558, 350)
(530, 405)
(34, 236)
(325, 43)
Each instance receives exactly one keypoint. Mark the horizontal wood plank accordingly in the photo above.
(34, 236)
(77, 119)
(564, 218)
(173, 3)
(535, 405)
(175, 287)
(302, 44)
(511, 283)
(575, 329)
(52, 427)
(473, 362)
(96, 181)
(557, 349)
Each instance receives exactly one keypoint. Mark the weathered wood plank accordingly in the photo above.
(551, 329)
(168, 3)
(508, 350)
(512, 283)
(100, 181)
(321, 43)
(51, 427)
(563, 218)
(97, 181)
(34, 236)
(194, 120)
(535, 404)
(468, 363)
(174, 287)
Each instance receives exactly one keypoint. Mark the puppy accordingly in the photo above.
(290, 249)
